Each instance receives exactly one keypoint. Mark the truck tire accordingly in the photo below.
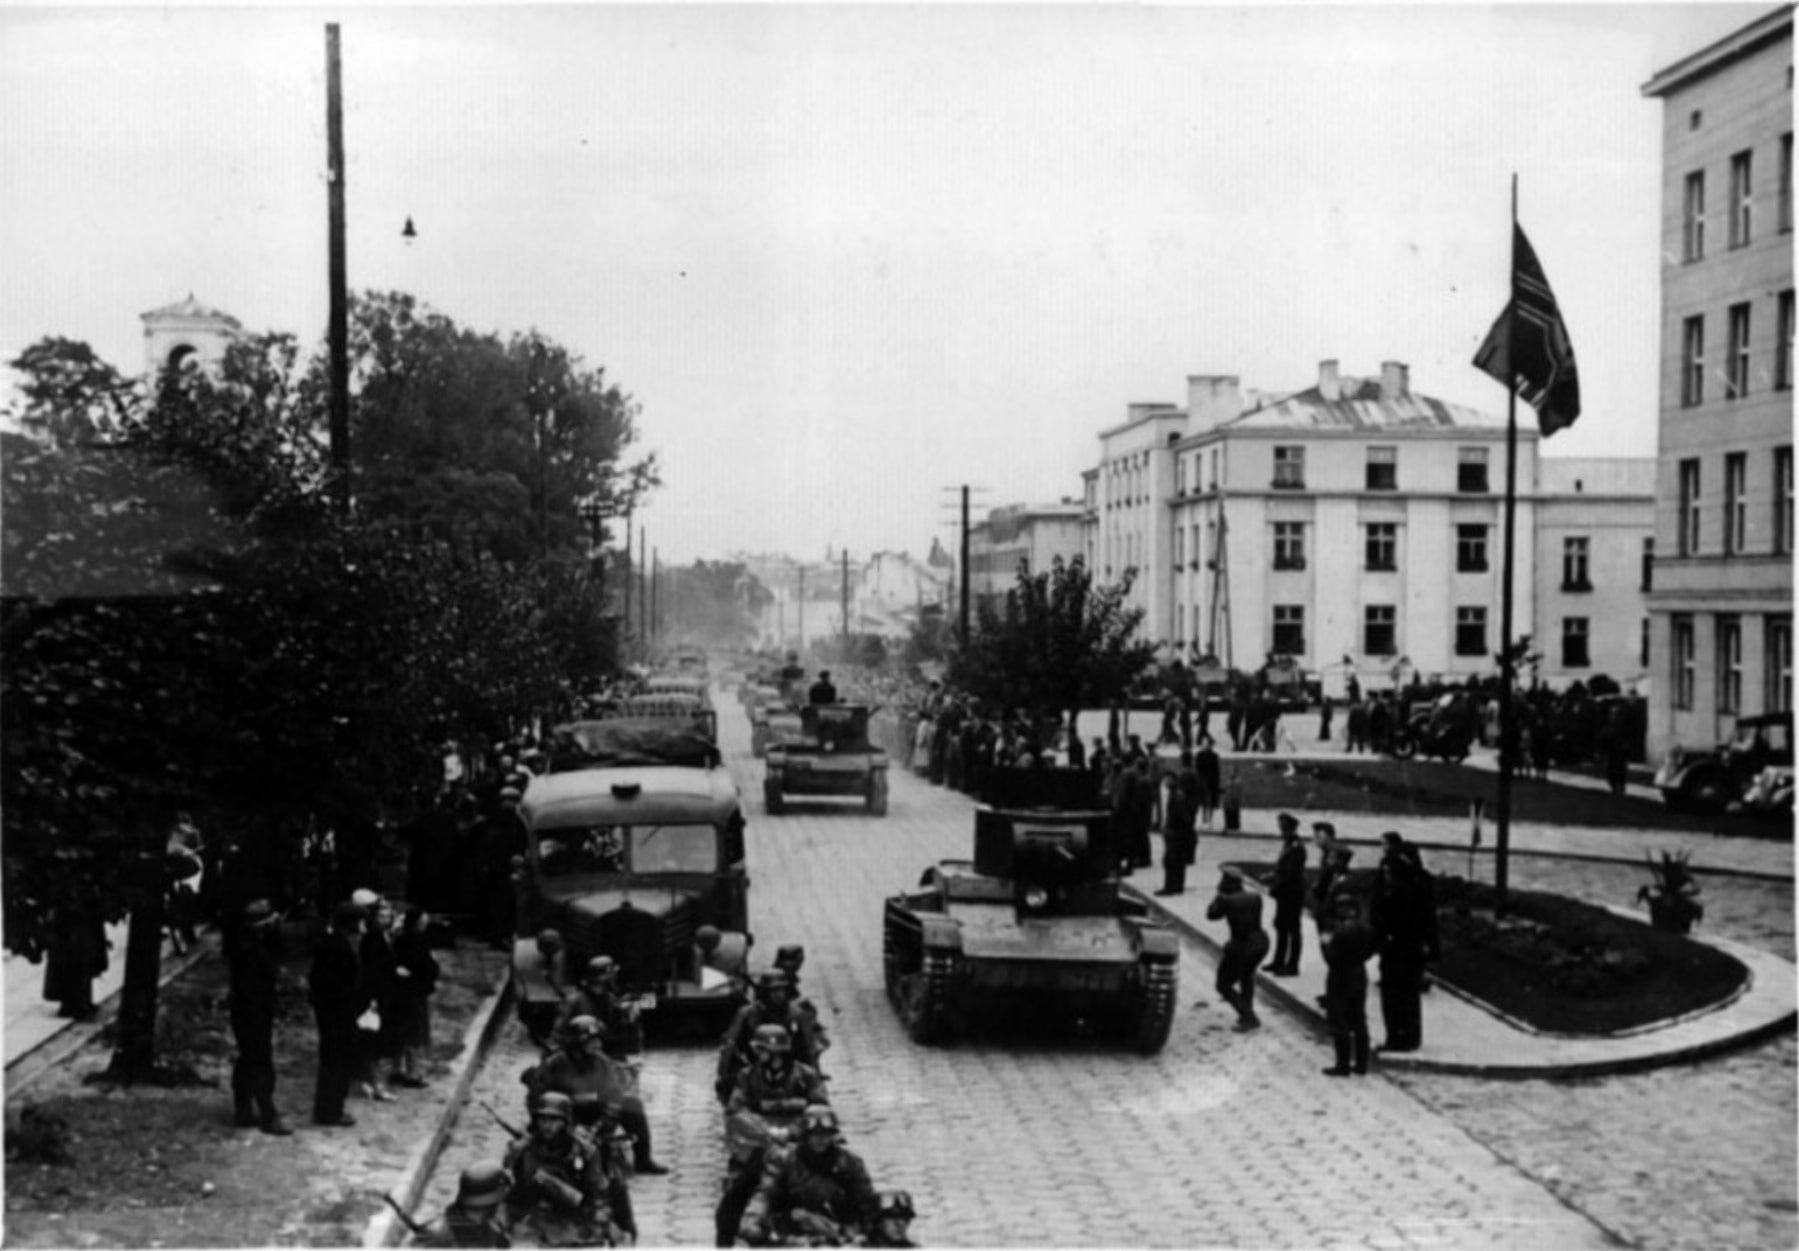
(1155, 1006)
(771, 798)
(877, 796)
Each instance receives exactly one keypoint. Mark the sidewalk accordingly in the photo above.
(1463, 1036)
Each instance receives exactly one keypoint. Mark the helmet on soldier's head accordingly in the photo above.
(771, 1040)
(585, 1028)
(549, 940)
(602, 968)
(897, 1205)
(483, 1185)
(768, 983)
(818, 1118)
(553, 1103)
(790, 957)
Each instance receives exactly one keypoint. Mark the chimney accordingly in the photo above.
(1330, 388)
(1212, 399)
(1395, 380)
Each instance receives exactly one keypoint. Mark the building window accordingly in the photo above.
(1289, 545)
(1681, 655)
(1786, 182)
(1574, 565)
(1688, 519)
(1736, 364)
(1730, 664)
(1648, 564)
(1180, 547)
(1783, 500)
(1383, 469)
(1214, 478)
(1693, 219)
(1740, 199)
(1180, 475)
(1471, 631)
(1574, 643)
(1471, 549)
(1643, 645)
(1289, 629)
(1783, 344)
(1290, 468)
(1777, 667)
(1382, 546)
(1199, 552)
(1380, 630)
(1471, 471)
(1736, 506)
(1692, 362)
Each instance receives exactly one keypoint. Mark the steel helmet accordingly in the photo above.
(603, 967)
(555, 1103)
(790, 956)
(769, 982)
(586, 1028)
(771, 1040)
(483, 1185)
(897, 1205)
(818, 1116)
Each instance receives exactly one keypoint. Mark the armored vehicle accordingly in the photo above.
(831, 756)
(632, 842)
(1035, 924)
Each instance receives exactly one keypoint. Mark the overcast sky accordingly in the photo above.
(846, 258)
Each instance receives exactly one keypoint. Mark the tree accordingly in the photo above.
(1059, 644)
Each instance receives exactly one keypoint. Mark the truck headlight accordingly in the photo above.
(1036, 897)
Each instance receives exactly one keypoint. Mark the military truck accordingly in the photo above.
(1036, 924)
(831, 756)
(632, 842)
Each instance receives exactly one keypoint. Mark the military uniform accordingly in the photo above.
(777, 1098)
(610, 1082)
(1289, 891)
(561, 1193)
(624, 1033)
(735, 1055)
(254, 963)
(457, 1228)
(798, 1187)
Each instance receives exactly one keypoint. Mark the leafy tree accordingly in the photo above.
(1057, 644)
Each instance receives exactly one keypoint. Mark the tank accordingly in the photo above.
(1036, 924)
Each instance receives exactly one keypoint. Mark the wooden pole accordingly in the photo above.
(1508, 729)
(339, 316)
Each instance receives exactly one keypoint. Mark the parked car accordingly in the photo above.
(1710, 781)
(633, 841)
(1771, 792)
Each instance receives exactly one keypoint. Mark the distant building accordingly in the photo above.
(186, 333)
(887, 592)
(1357, 521)
(1032, 535)
(1721, 604)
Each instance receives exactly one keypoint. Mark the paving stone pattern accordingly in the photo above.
(1221, 1140)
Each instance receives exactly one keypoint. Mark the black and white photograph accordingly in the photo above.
(898, 625)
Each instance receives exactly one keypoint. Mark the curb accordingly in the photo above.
(1313, 1020)
(384, 1228)
(57, 1049)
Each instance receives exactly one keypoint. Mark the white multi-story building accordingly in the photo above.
(1358, 521)
(1721, 609)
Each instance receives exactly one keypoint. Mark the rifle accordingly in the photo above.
(511, 1129)
(418, 1230)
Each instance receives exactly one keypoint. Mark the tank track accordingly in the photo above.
(1161, 985)
(927, 1021)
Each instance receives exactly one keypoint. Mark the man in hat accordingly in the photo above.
(1180, 841)
(1403, 912)
(477, 1217)
(1288, 886)
(1247, 947)
(1333, 863)
(823, 691)
(252, 954)
(1346, 954)
(335, 988)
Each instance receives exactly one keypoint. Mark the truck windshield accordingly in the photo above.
(627, 848)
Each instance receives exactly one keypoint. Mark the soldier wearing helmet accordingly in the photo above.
(773, 1006)
(477, 1218)
(560, 1192)
(819, 1190)
(770, 1096)
(895, 1225)
(790, 958)
(598, 996)
(583, 1068)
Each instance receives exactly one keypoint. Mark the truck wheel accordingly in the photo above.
(771, 799)
(924, 1001)
(1404, 747)
(1155, 1007)
(877, 796)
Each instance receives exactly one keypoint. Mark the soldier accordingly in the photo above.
(773, 1006)
(579, 1069)
(560, 1190)
(1288, 887)
(1346, 954)
(1404, 917)
(790, 958)
(255, 963)
(598, 998)
(476, 1218)
(770, 1097)
(822, 691)
(819, 1190)
(1241, 910)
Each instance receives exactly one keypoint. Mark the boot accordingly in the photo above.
(1361, 1054)
(271, 1119)
(246, 1113)
(1341, 1067)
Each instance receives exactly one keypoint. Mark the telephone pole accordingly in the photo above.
(962, 571)
(338, 325)
(846, 605)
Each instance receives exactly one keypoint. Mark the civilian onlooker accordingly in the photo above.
(1288, 887)
(252, 954)
(334, 987)
(377, 955)
(1247, 946)
(1205, 764)
(415, 978)
(1346, 954)
(1404, 917)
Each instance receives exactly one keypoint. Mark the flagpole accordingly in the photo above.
(1508, 729)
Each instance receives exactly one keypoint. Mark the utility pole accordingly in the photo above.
(339, 317)
(800, 607)
(846, 605)
(643, 587)
(655, 595)
(625, 617)
(964, 563)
